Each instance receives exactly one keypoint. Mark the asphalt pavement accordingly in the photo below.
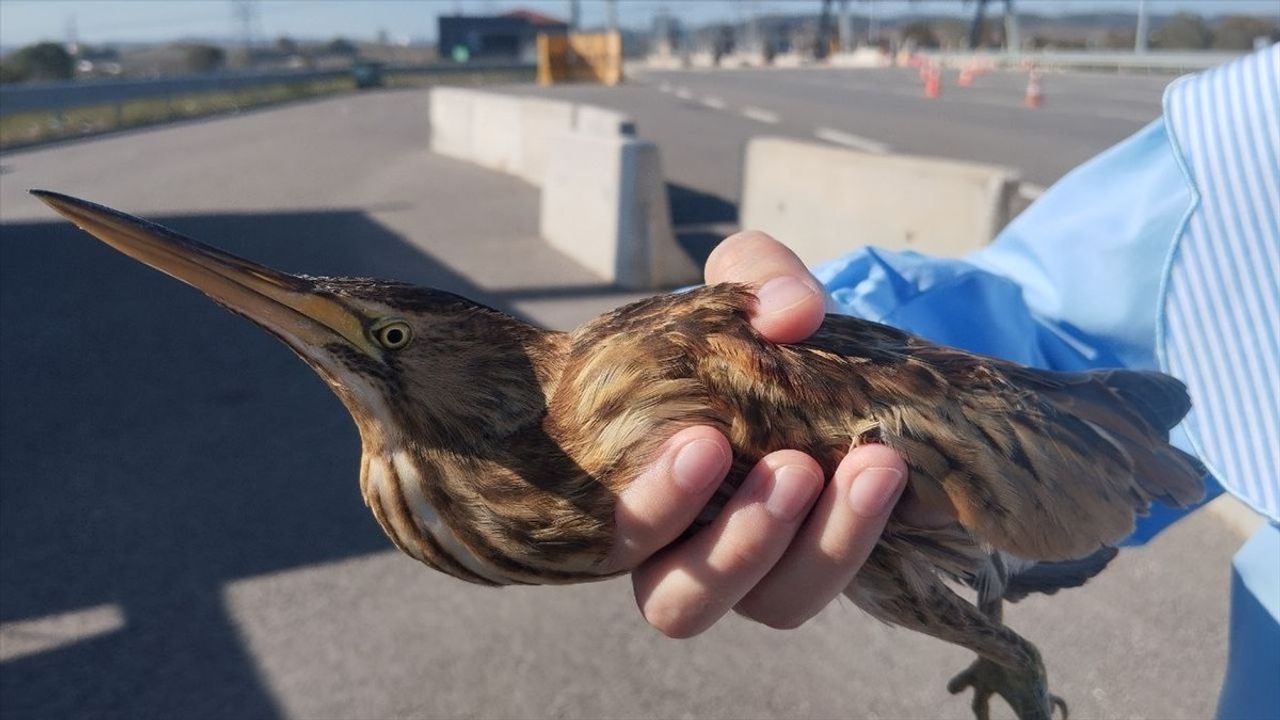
(181, 531)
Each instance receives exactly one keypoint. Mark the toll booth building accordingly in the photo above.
(510, 36)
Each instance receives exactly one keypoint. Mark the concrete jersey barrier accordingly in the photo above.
(604, 197)
(604, 203)
(540, 120)
(451, 129)
(823, 201)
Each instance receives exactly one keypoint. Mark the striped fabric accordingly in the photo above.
(1219, 328)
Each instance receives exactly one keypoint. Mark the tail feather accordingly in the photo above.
(1049, 577)
(1164, 472)
(1086, 452)
(1162, 401)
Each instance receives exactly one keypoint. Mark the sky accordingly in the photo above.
(96, 21)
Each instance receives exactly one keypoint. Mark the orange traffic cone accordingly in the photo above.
(966, 76)
(1034, 97)
(933, 84)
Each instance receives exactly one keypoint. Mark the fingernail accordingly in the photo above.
(794, 486)
(783, 292)
(699, 465)
(875, 490)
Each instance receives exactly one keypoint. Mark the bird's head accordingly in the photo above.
(403, 358)
(436, 383)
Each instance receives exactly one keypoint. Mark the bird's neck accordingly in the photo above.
(473, 484)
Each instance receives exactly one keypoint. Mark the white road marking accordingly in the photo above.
(714, 103)
(684, 94)
(21, 638)
(764, 116)
(843, 138)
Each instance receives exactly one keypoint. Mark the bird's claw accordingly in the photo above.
(1025, 691)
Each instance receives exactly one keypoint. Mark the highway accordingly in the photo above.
(699, 117)
(181, 531)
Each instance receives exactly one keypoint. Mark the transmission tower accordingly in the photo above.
(245, 20)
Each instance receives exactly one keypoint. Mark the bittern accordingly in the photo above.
(494, 451)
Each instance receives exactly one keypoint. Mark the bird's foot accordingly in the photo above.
(1026, 691)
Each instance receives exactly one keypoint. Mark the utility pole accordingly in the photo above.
(1012, 44)
(873, 22)
(979, 23)
(245, 13)
(1140, 33)
(846, 27)
(823, 45)
(73, 39)
(575, 14)
(612, 7)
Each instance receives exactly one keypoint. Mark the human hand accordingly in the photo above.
(783, 530)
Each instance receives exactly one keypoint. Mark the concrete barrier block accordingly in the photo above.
(497, 131)
(604, 204)
(540, 121)
(451, 121)
(599, 121)
(824, 201)
(791, 60)
(863, 57)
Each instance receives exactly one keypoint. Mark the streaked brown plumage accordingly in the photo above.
(494, 451)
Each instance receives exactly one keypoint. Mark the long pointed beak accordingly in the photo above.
(285, 304)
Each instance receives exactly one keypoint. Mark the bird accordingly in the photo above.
(494, 451)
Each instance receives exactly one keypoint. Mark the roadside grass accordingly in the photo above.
(25, 129)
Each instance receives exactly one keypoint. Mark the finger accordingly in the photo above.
(792, 301)
(834, 542)
(663, 501)
(684, 590)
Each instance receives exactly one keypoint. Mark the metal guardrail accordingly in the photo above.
(68, 95)
(1150, 61)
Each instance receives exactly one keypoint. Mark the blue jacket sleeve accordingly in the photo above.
(1073, 283)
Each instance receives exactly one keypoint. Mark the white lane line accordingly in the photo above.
(1029, 191)
(683, 93)
(21, 638)
(843, 138)
(714, 103)
(764, 116)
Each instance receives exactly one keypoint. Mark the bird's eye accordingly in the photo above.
(393, 335)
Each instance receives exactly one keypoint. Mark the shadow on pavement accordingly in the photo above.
(154, 448)
(699, 219)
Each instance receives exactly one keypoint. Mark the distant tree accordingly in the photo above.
(204, 58)
(951, 33)
(9, 73)
(1238, 32)
(921, 34)
(1184, 31)
(1118, 40)
(286, 45)
(43, 61)
(341, 46)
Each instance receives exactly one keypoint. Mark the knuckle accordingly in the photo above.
(742, 555)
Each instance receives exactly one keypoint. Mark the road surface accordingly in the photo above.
(181, 532)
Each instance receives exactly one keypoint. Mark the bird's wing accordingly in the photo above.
(1039, 464)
